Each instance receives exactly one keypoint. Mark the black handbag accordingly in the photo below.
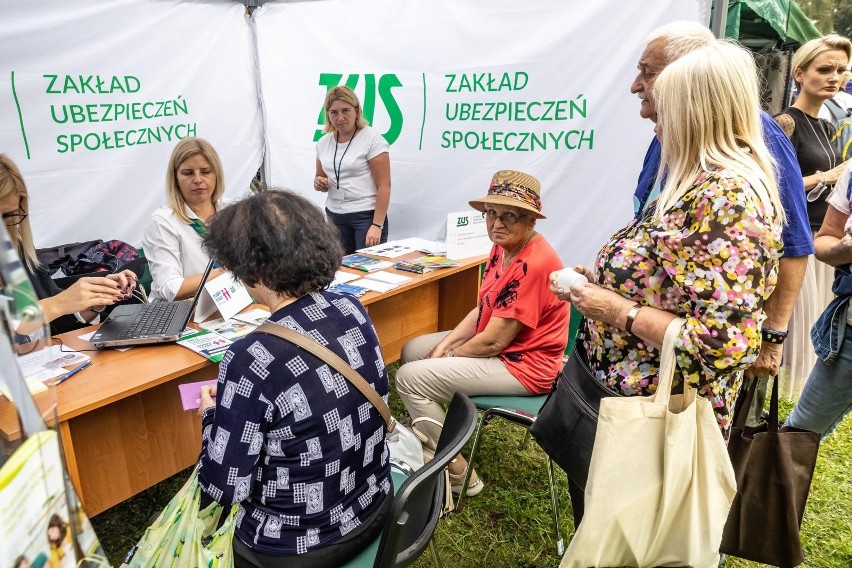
(774, 468)
(566, 425)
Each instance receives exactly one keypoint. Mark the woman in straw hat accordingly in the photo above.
(512, 342)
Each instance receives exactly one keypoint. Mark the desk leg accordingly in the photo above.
(458, 294)
(70, 457)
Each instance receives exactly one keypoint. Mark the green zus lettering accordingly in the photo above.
(486, 82)
(93, 84)
(519, 141)
(112, 112)
(381, 85)
(113, 140)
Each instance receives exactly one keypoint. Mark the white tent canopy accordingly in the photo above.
(95, 95)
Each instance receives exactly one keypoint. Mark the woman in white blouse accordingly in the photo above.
(173, 237)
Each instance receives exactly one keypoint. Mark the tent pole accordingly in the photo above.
(720, 18)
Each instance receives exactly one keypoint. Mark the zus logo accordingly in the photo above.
(368, 103)
(462, 222)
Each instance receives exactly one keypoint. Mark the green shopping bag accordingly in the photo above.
(184, 537)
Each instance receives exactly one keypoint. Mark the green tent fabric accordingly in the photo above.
(769, 21)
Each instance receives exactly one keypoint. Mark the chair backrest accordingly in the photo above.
(418, 503)
(574, 322)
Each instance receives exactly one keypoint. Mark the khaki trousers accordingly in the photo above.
(426, 384)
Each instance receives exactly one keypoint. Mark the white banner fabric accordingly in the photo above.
(95, 95)
(463, 88)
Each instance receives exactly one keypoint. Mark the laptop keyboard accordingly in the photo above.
(154, 320)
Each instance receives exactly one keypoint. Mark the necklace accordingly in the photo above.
(334, 164)
(832, 159)
(511, 257)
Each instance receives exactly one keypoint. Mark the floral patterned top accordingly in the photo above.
(713, 260)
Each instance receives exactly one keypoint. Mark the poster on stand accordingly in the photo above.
(35, 522)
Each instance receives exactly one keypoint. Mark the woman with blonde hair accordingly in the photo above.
(819, 67)
(707, 249)
(84, 300)
(353, 167)
(173, 237)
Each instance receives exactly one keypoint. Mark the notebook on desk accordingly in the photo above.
(143, 324)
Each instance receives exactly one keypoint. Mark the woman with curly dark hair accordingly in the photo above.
(287, 439)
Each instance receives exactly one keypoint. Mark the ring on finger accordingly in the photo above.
(97, 295)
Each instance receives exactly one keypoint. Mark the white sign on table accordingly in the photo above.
(222, 293)
(466, 235)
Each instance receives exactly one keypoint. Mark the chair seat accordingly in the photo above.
(529, 404)
(367, 557)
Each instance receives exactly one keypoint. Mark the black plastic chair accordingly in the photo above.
(418, 503)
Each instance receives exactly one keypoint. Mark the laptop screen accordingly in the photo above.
(200, 288)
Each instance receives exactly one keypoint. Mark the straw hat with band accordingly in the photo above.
(515, 189)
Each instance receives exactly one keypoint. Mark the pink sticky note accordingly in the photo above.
(190, 393)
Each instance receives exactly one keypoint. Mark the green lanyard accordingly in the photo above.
(199, 227)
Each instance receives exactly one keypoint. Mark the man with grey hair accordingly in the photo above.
(666, 44)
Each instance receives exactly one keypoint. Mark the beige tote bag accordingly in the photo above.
(660, 482)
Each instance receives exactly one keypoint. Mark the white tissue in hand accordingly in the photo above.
(568, 276)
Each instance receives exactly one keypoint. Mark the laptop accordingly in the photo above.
(144, 324)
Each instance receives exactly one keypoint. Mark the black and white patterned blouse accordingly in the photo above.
(295, 444)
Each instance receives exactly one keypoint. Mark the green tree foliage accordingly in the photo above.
(843, 17)
(821, 12)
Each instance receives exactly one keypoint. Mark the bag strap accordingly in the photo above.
(668, 364)
(837, 116)
(327, 355)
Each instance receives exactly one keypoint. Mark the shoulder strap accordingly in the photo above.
(325, 354)
(838, 114)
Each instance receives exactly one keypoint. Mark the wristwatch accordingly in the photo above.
(381, 227)
(773, 336)
(631, 317)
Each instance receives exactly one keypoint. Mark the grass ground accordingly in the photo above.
(509, 523)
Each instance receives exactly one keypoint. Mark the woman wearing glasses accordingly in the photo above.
(68, 309)
(512, 342)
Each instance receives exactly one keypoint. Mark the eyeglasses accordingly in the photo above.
(14, 218)
(508, 218)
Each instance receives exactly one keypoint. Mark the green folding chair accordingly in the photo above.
(521, 410)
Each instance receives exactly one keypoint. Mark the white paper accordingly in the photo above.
(390, 249)
(427, 246)
(232, 329)
(228, 295)
(466, 235)
(388, 278)
(254, 316)
(49, 362)
(341, 277)
(375, 285)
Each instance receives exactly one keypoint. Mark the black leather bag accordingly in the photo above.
(566, 425)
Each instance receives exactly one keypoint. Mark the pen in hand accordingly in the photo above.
(71, 373)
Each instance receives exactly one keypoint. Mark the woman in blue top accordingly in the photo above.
(291, 441)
